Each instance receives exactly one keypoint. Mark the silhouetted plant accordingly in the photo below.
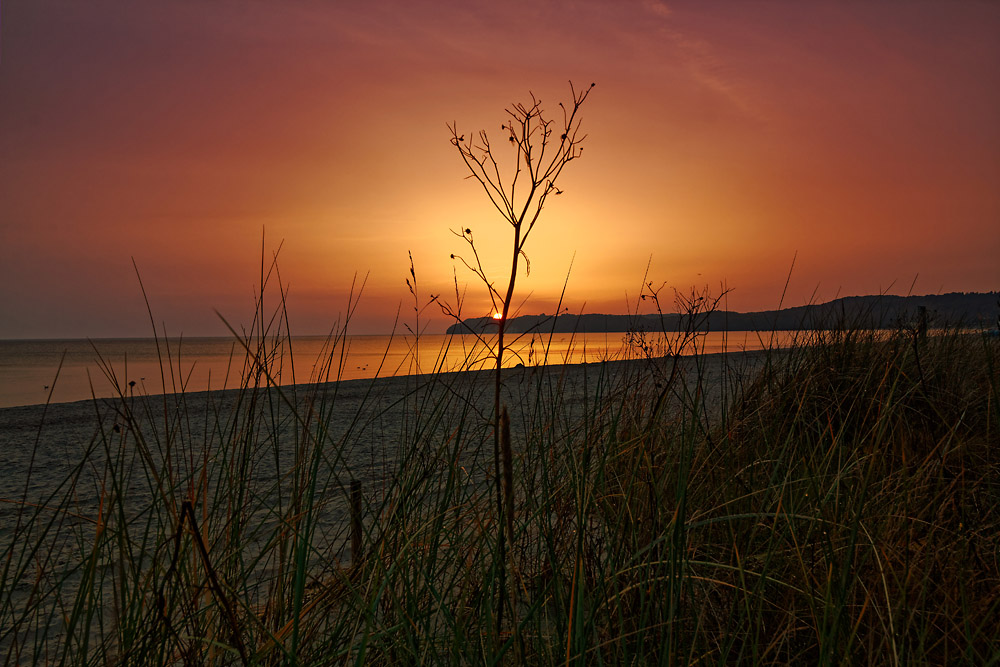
(542, 147)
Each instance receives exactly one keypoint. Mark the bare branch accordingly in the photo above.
(539, 161)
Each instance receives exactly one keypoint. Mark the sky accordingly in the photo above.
(842, 147)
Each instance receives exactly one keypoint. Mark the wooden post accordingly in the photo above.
(356, 554)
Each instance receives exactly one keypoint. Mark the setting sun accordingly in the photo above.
(324, 338)
(718, 145)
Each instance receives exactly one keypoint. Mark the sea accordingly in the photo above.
(59, 371)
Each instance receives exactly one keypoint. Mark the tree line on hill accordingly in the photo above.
(962, 309)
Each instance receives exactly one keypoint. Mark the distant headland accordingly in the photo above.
(968, 309)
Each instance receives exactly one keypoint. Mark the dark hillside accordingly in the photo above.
(970, 309)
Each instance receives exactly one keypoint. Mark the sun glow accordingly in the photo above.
(497, 316)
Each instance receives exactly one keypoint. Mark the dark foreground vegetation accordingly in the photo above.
(834, 503)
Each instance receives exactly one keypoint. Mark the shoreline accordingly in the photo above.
(34, 374)
(371, 426)
(368, 418)
(615, 367)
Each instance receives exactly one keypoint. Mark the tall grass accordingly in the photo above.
(836, 502)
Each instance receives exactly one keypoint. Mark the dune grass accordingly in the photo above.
(832, 503)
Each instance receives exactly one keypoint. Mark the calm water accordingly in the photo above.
(36, 371)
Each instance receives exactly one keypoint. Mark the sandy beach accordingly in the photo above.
(61, 462)
(366, 417)
(352, 507)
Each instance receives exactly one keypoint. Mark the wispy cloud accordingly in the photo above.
(657, 7)
(715, 72)
(705, 61)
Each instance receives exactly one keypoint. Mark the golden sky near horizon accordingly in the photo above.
(725, 138)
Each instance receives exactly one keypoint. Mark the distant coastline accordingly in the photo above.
(966, 309)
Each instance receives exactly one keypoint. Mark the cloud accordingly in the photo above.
(657, 7)
(710, 67)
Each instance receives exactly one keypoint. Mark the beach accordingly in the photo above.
(369, 415)
(63, 463)
(149, 527)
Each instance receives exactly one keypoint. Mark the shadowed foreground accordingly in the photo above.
(836, 502)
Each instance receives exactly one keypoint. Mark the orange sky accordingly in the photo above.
(725, 138)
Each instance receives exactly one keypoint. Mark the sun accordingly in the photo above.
(497, 316)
